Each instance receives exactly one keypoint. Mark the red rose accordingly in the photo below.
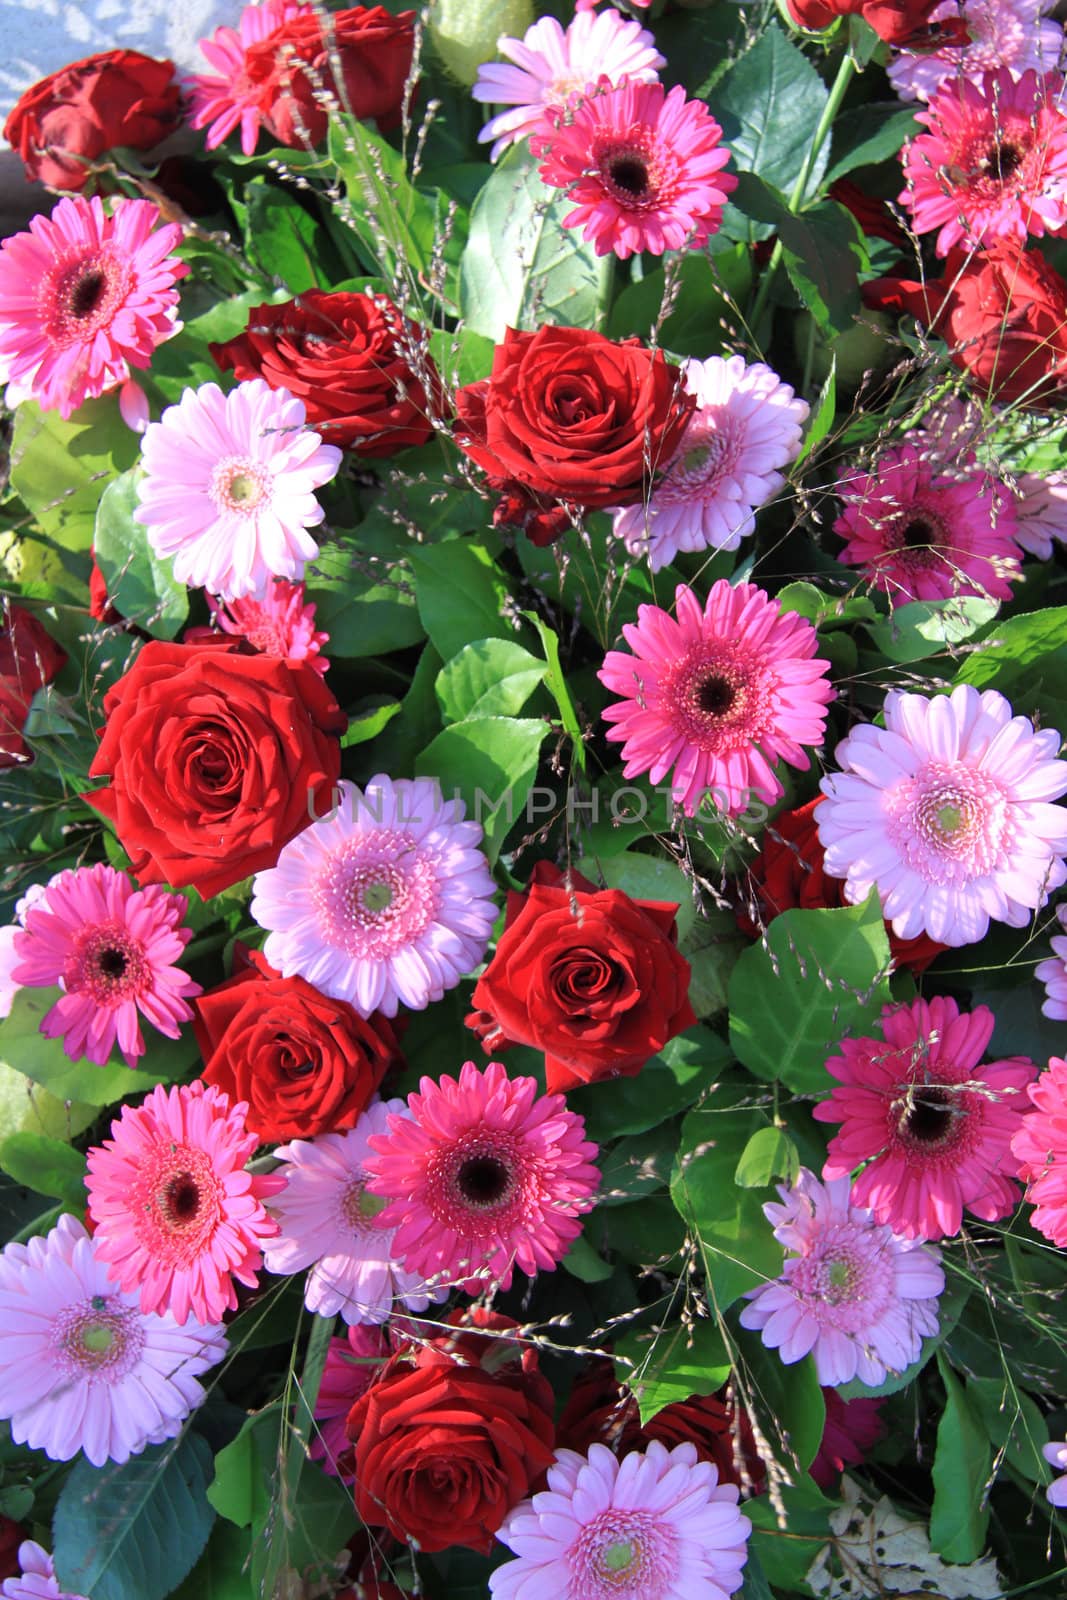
(452, 1435)
(587, 975)
(217, 760)
(1002, 312)
(568, 415)
(29, 658)
(304, 1063)
(81, 112)
(788, 875)
(292, 70)
(341, 355)
(896, 21)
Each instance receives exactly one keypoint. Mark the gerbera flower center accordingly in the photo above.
(928, 1116)
(81, 294)
(844, 1278)
(721, 696)
(709, 453)
(629, 172)
(484, 1181)
(374, 894)
(635, 176)
(949, 821)
(624, 1553)
(98, 1338)
(176, 1203)
(240, 485)
(477, 1182)
(716, 696)
(1003, 159)
(107, 963)
(359, 1208)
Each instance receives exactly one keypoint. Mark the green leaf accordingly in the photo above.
(924, 628)
(219, 1574)
(583, 1262)
(868, 134)
(488, 678)
(461, 594)
(826, 971)
(636, 1167)
(557, 687)
(667, 1084)
(786, 1552)
(671, 1364)
(419, 720)
(770, 103)
(491, 763)
(46, 1165)
(788, 1399)
(769, 1154)
(240, 1489)
(823, 249)
(133, 1532)
(1025, 658)
(822, 419)
(394, 222)
(366, 721)
(283, 237)
(645, 878)
(1014, 1424)
(521, 267)
(704, 289)
(141, 585)
(755, 1586)
(362, 616)
(962, 1460)
(711, 948)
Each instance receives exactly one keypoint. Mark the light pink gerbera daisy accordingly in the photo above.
(1052, 972)
(1041, 511)
(483, 1176)
(36, 895)
(853, 1294)
(224, 98)
(718, 694)
(1057, 1489)
(933, 1125)
(113, 950)
(386, 901)
(330, 1222)
(657, 1525)
(281, 623)
(745, 428)
(85, 296)
(948, 811)
(229, 487)
(82, 1366)
(37, 1579)
(1004, 33)
(922, 533)
(644, 166)
(352, 1364)
(177, 1215)
(1040, 1146)
(994, 164)
(552, 64)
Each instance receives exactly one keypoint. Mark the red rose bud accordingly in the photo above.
(76, 115)
(29, 658)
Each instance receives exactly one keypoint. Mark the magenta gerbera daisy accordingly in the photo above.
(82, 1366)
(933, 1124)
(1003, 33)
(37, 1577)
(1040, 1147)
(948, 811)
(921, 532)
(221, 100)
(850, 1429)
(718, 695)
(852, 1293)
(994, 163)
(1052, 972)
(552, 63)
(113, 950)
(644, 166)
(229, 485)
(484, 1175)
(329, 1221)
(746, 427)
(85, 296)
(386, 901)
(352, 1364)
(177, 1216)
(657, 1525)
(281, 623)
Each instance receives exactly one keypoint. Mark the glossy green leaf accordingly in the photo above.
(363, 616)
(770, 103)
(869, 134)
(672, 1364)
(461, 595)
(822, 416)
(488, 678)
(583, 1262)
(700, 291)
(645, 878)
(366, 721)
(924, 628)
(1025, 658)
(220, 1573)
(46, 1165)
(666, 1085)
(768, 1156)
(140, 585)
(959, 1516)
(284, 238)
(556, 684)
(491, 764)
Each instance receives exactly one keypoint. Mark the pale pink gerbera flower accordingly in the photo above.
(921, 532)
(229, 487)
(1040, 1147)
(718, 694)
(224, 98)
(330, 1222)
(745, 428)
(1057, 1489)
(1041, 510)
(644, 166)
(856, 1296)
(1003, 33)
(552, 64)
(352, 1364)
(994, 164)
(84, 297)
(947, 811)
(386, 901)
(82, 1366)
(484, 1175)
(281, 623)
(177, 1216)
(657, 1525)
(36, 895)
(37, 1580)
(932, 1123)
(1052, 972)
(113, 950)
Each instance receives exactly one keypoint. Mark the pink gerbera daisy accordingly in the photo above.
(1040, 1147)
(1003, 33)
(484, 1175)
(852, 1293)
(112, 949)
(922, 533)
(229, 487)
(933, 1125)
(281, 623)
(352, 1364)
(657, 1525)
(994, 164)
(947, 811)
(644, 166)
(330, 1222)
(552, 64)
(82, 1366)
(37, 1579)
(1041, 510)
(388, 900)
(84, 297)
(177, 1215)
(1057, 1489)
(745, 428)
(1053, 974)
(718, 694)
(225, 97)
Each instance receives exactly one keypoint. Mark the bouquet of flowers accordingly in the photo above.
(533, 676)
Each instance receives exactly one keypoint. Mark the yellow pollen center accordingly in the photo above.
(97, 1339)
(377, 897)
(619, 1556)
(949, 819)
(370, 1206)
(244, 490)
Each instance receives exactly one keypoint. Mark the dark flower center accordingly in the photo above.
(630, 174)
(716, 696)
(1004, 159)
(181, 1198)
(918, 535)
(483, 1180)
(112, 963)
(86, 295)
(928, 1117)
